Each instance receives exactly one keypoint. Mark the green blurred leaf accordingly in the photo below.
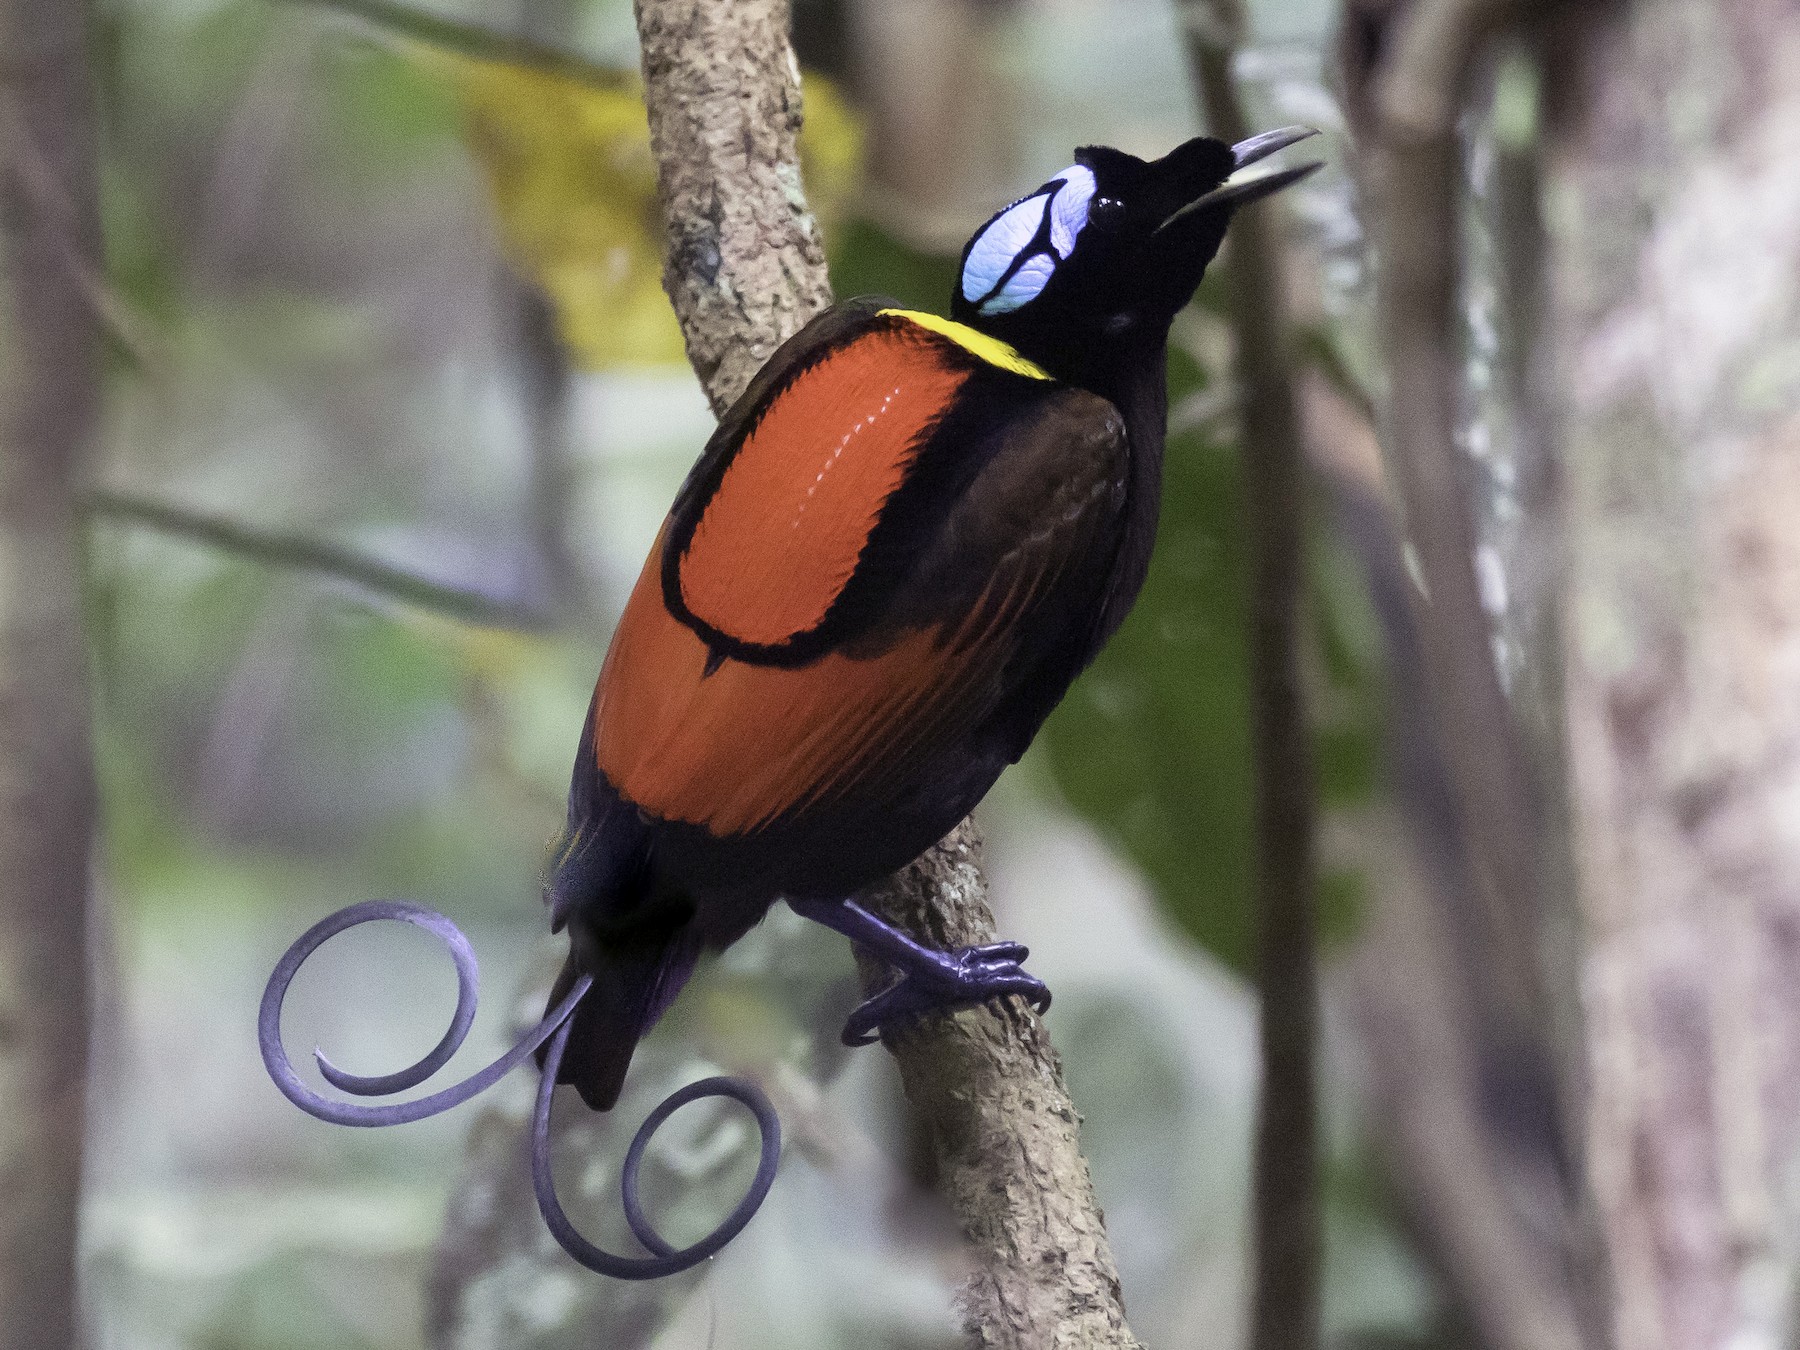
(866, 260)
(384, 109)
(140, 263)
(283, 1305)
(1343, 895)
(379, 673)
(1153, 743)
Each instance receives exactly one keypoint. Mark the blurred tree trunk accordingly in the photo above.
(49, 273)
(1678, 322)
(1288, 1230)
(1472, 1026)
(942, 130)
(1458, 1111)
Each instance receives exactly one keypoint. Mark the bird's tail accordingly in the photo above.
(636, 978)
(634, 939)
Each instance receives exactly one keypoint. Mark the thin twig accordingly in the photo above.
(304, 553)
(745, 269)
(1288, 1230)
(472, 39)
(50, 197)
(1535, 572)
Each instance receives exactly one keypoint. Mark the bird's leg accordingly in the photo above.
(929, 980)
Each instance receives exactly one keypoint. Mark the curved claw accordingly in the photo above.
(667, 1260)
(981, 973)
(1013, 952)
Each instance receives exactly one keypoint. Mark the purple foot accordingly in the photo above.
(930, 981)
(970, 976)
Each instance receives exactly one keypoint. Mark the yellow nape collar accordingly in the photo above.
(989, 349)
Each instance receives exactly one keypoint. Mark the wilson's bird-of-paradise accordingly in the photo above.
(897, 551)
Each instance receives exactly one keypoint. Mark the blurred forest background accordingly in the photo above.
(391, 404)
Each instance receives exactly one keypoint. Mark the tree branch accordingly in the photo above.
(49, 390)
(745, 270)
(1472, 1192)
(988, 1086)
(470, 39)
(1288, 1229)
(1682, 490)
(303, 553)
(49, 198)
(745, 264)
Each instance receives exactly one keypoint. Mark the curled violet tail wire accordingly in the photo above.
(555, 1028)
(281, 1068)
(666, 1261)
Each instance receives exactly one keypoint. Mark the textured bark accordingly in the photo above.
(1288, 1229)
(48, 386)
(989, 1088)
(745, 264)
(745, 270)
(1677, 315)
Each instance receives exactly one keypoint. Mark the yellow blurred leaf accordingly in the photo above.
(574, 187)
(831, 151)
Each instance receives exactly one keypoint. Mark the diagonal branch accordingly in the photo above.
(470, 39)
(304, 553)
(745, 270)
(50, 199)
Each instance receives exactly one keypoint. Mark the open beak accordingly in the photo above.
(1174, 257)
(1242, 191)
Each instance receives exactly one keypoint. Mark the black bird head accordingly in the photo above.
(1100, 259)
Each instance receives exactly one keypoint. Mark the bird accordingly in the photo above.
(898, 549)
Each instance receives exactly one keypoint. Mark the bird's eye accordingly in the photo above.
(1106, 212)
